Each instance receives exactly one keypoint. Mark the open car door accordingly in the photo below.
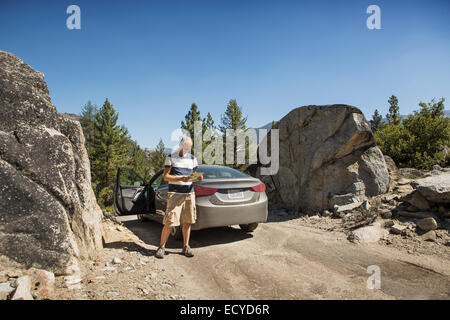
(130, 194)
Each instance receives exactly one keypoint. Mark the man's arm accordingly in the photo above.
(172, 178)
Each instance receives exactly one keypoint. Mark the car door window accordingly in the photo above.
(130, 178)
(159, 182)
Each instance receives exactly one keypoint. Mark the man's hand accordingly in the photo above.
(171, 178)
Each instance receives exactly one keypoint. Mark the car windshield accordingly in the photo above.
(220, 172)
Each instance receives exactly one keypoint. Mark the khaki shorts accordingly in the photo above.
(180, 206)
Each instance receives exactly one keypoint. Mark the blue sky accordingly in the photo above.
(152, 59)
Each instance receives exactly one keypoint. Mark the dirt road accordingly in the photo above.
(284, 260)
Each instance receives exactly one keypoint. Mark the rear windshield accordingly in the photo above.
(220, 172)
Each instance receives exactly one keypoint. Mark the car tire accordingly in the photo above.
(141, 218)
(248, 227)
(177, 233)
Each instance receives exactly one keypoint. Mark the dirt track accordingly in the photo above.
(284, 260)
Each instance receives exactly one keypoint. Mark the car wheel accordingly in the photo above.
(141, 218)
(176, 233)
(248, 227)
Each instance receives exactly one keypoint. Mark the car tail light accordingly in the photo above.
(204, 191)
(259, 188)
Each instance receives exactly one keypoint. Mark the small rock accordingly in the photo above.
(386, 214)
(429, 236)
(100, 277)
(404, 188)
(388, 197)
(43, 280)
(408, 233)
(6, 288)
(417, 215)
(388, 223)
(347, 207)
(326, 213)
(427, 224)
(109, 269)
(166, 285)
(14, 274)
(397, 228)
(143, 291)
(23, 289)
(116, 260)
(403, 181)
(366, 205)
(417, 200)
(368, 234)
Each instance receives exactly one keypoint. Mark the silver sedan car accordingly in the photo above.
(224, 197)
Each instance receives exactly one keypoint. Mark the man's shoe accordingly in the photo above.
(187, 251)
(160, 252)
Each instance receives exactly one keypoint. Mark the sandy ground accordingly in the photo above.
(281, 259)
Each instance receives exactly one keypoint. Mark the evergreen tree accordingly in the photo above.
(393, 116)
(139, 161)
(87, 122)
(376, 122)
(233, 119)
(158, 157)
(110, 151)
(420, 139)
(192, 116)
(207, 124)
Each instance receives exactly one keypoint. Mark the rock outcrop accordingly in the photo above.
(49, 217)
(328, 157)
(435, 188)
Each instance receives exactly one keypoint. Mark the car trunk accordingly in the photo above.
(231, 191)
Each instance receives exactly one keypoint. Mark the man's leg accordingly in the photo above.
(188, 217)
(165, 235)
(187, 251)
(171, 219)
(186, 233)
(162, 245)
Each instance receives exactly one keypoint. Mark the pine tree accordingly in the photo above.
(207, 124)
(377, 121)
(158, 156)
(192, 116)
(87, 122)
(139, 161)
(393, 116)
(110, 151)
(233, 119)
(420, 140)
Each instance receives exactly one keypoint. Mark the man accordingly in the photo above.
(181, 197)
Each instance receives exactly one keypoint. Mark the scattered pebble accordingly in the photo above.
(117, 260)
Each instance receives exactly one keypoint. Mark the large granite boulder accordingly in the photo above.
(328, 158)
(49, 217)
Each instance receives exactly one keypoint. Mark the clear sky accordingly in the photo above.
(152, 59)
